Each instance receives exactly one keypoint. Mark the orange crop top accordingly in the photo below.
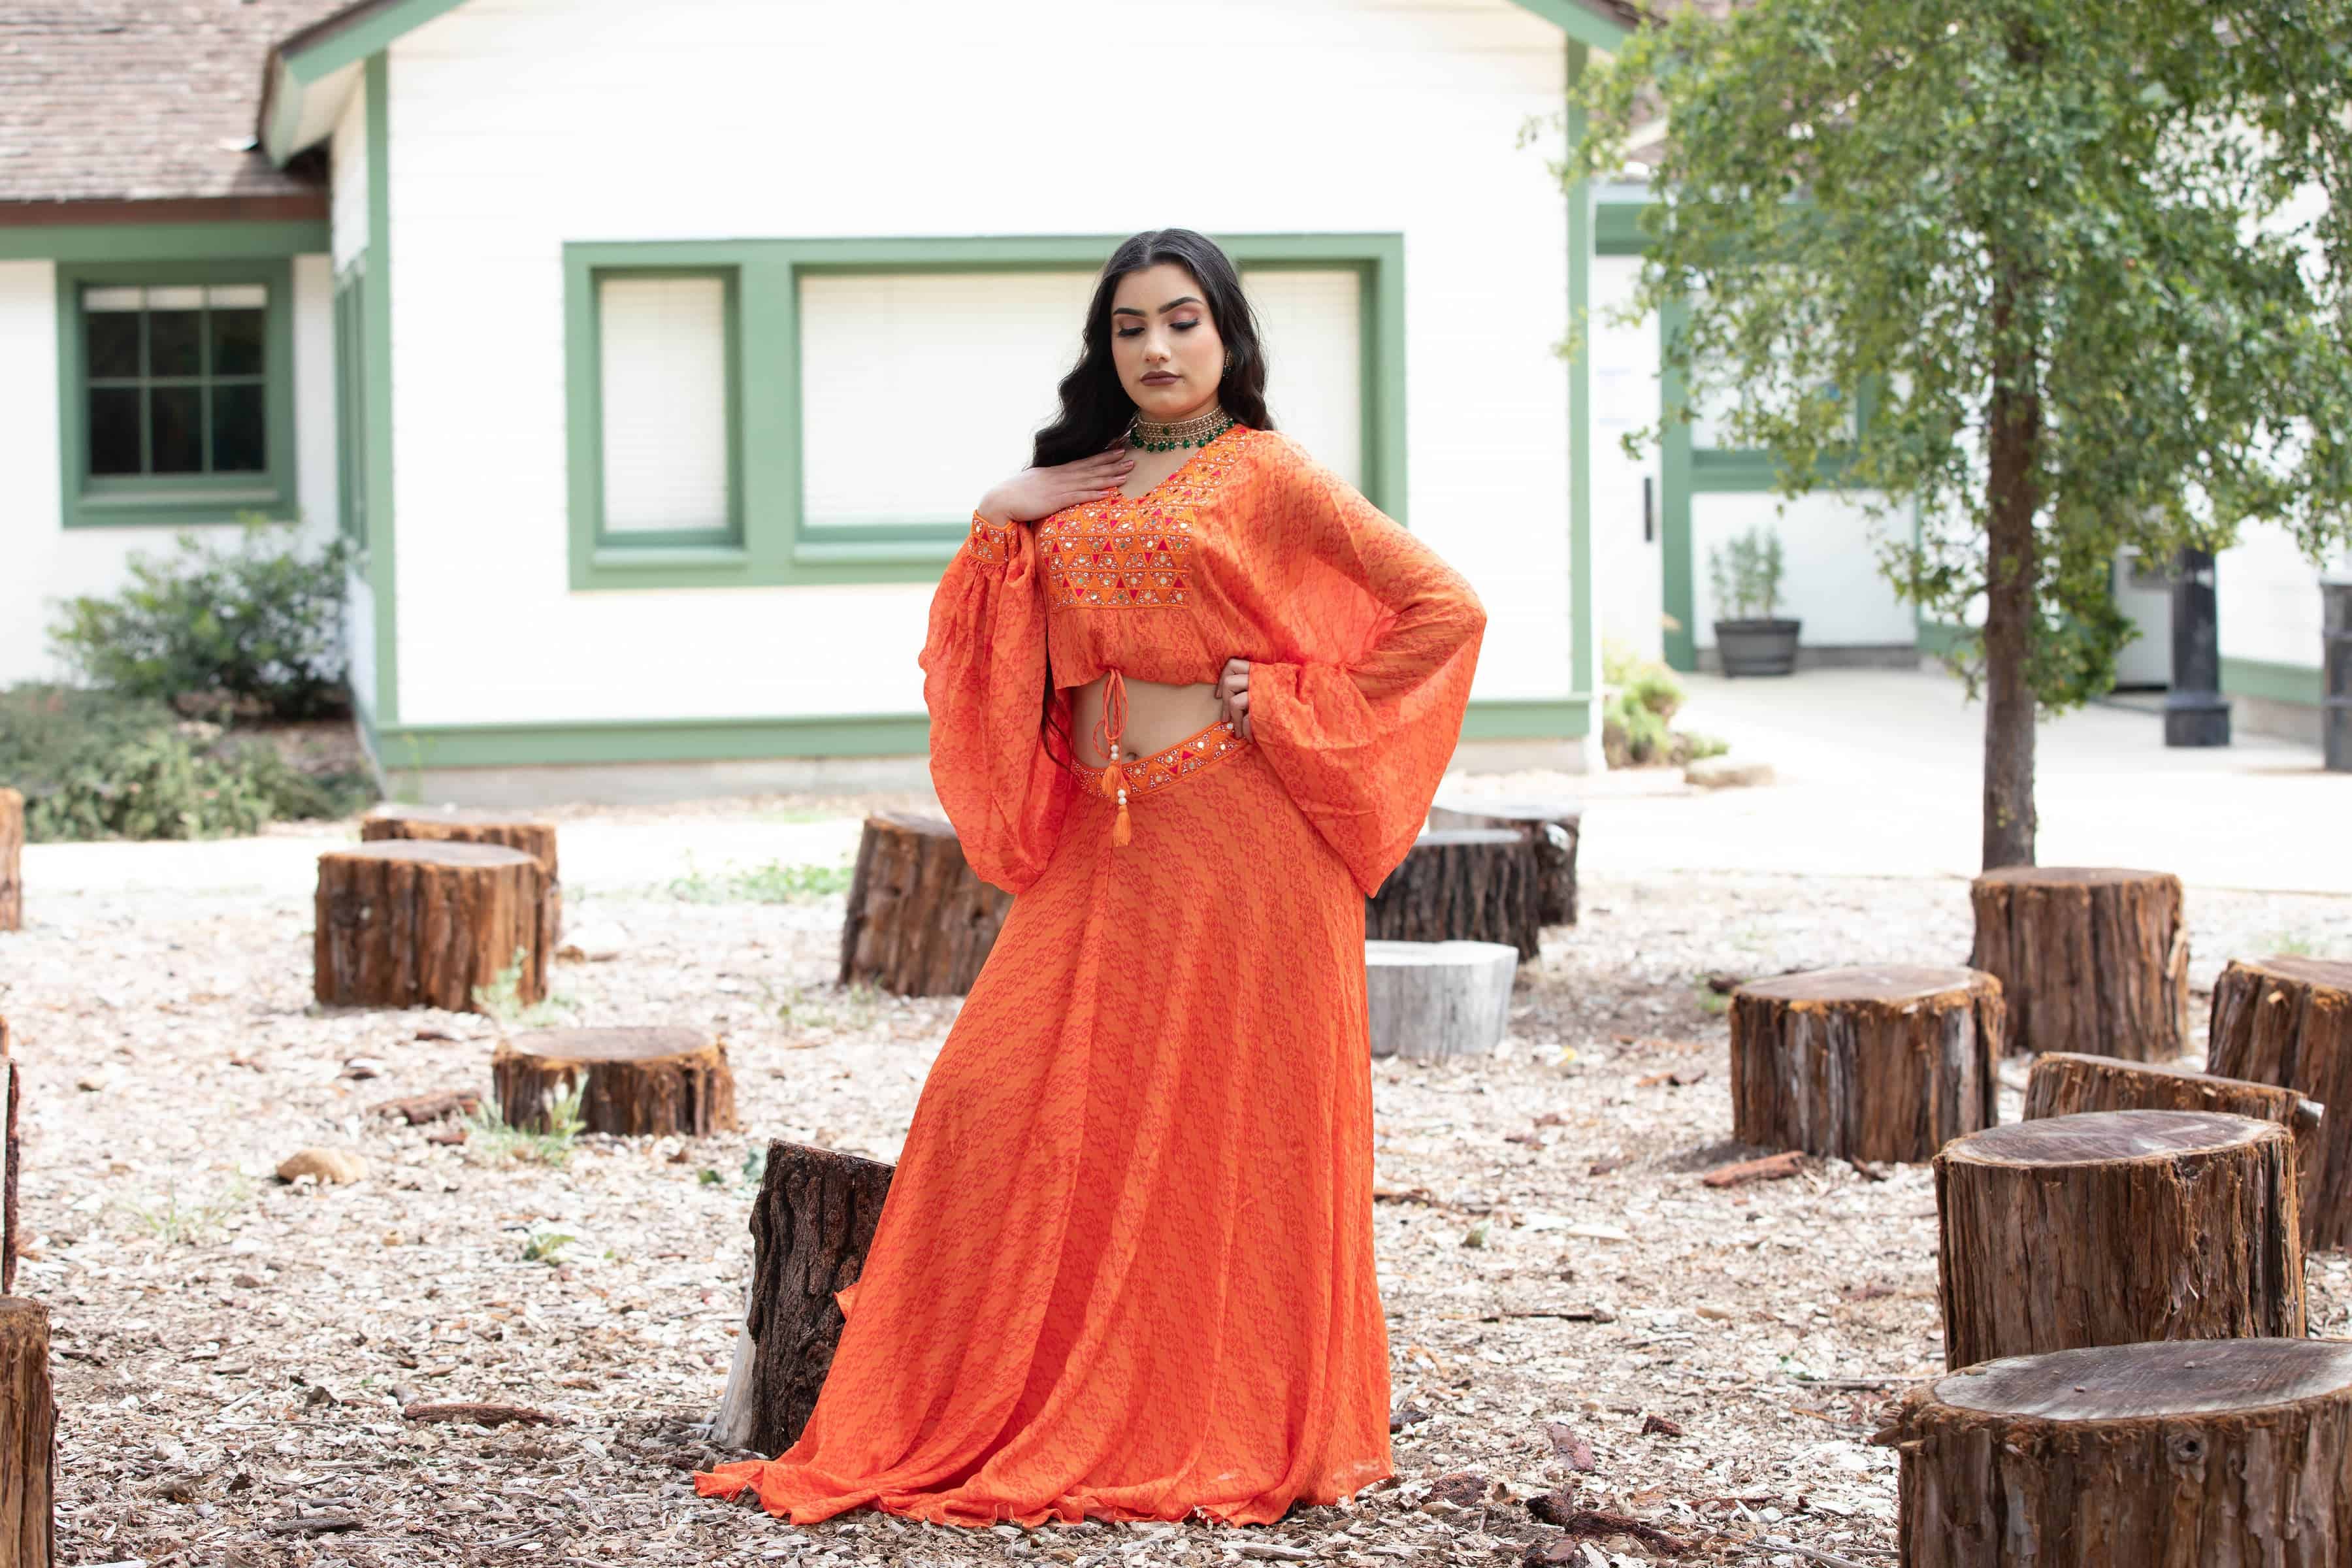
(1361, 641)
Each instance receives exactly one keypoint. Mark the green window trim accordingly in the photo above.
(770, 544)
(351, 401)
(176, 501)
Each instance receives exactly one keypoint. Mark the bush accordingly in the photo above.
(97, 765)
(253, 630)
(1644, 695)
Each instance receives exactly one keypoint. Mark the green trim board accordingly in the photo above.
(2302, 684)
(351, 401)
(406, 748)
(1583, 606)
(1597, 26)
(258, 240)
(771, 545)
(1617, 228)
(1675, 454)
(377, 396)
(177, 499)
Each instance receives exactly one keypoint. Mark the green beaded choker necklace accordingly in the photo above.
(1148, 436)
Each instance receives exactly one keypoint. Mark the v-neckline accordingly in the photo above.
(1173, 474)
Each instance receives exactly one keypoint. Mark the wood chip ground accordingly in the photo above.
(234, 1354)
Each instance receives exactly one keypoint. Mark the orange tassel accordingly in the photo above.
(1119, 829)
(1113, 779)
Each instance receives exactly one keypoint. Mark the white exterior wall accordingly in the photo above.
(347, 163)
(2267, 593)
(1830, 577)
(44, 561)
(811, 119)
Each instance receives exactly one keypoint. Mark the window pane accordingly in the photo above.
(239, 446)
(112, 342)
(236, 341)
(881, 354)
(171, 345)
(664, 386)
(177, 429)
(114, 429)
(237, 296)
(1311, 325)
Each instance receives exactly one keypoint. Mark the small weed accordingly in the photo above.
(174, 1222)
(711, 1178)
(2294, 944)
(755, 1164)
(544, 1244)
(488, 1137)
(1711, 1001)
(1475, 1236)
(502, 1000)
(773, 883)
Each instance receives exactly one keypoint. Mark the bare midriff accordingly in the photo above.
(1158, 715)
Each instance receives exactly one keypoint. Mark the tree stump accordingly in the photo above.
(1552, 827)
(28, 1436)
(12, 860)
(467, 824)
(2065, 1084)
(2114, 1227)
(2288, 1021)
(1884, 1063)
(920, 922)
(2215, 1454)
(407, 924)
(1431, 1000)
(811, 1226)
(637, 1080)
(2090, 961)
(1461, 884)
(11, 1097)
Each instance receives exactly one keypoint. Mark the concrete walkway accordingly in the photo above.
(1877, 775)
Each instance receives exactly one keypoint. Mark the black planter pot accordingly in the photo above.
(1757, 647)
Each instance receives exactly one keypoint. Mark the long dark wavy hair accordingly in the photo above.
(1096, 408)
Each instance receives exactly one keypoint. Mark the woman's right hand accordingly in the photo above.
(1034, 493)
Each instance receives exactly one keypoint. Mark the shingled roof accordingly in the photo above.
(104, 101)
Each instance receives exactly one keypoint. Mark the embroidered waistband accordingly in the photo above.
(1167, 766)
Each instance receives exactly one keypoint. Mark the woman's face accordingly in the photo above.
(1168, 356)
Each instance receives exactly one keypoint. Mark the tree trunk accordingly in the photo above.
(1462, 884)
(920, 923)
(2012, 577)
(465, 824)
(2065, 1084)
(408, 924)
(2090, 961)
(1431, 1000)
(2115, 1226)
(2235, 1454)
(12, 860)
(638, 1082)
(28, 1437)
(1552, 827)
(2288, 1021)
(811, 1226)
(1866, 1064)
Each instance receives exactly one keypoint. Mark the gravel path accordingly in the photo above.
(1568, 1307)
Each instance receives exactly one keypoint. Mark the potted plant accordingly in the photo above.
(1748, 638)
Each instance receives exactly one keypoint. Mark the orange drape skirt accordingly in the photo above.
(1124, 1268)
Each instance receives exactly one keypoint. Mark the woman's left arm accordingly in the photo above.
(1360, 745)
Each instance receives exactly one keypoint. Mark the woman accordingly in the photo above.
(1189, 695)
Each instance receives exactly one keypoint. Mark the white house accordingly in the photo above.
(657, 353)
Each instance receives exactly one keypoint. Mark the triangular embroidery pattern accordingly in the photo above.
(1165, 766)
(1130, 553)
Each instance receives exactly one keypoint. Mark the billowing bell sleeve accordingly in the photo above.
(984, 663)
(1362, 740)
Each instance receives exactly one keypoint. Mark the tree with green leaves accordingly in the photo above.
(2089, 258)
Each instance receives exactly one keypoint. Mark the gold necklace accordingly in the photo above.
(1150, 435)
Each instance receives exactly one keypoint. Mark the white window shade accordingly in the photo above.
(663, 383)
(1312, 326)
(918, 391)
